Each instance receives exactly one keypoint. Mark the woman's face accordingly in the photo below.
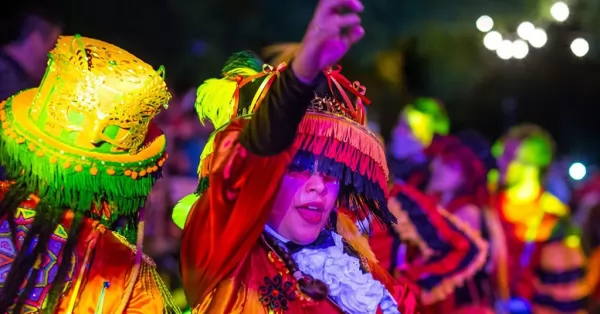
(446, 176)
(303, 203)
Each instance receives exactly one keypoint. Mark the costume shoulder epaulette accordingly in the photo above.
(149, 272)
(147, 259)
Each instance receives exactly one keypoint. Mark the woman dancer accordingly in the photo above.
(290, 148)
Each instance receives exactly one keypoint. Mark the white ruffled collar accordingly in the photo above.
(351, 289)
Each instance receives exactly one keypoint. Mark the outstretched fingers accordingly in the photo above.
(329, 7)
(354, 34)
(348, 20)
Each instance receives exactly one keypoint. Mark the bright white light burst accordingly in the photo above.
(560, 11)
(538, 38)
(484, 23)
(577, 171)
(505, 51)
(492, 40)
(520, 49)
(580, 47)
(525, 30)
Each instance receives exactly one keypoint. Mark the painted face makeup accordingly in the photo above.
(304, 202)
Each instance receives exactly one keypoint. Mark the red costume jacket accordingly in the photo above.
(447, 251)
(224, 261)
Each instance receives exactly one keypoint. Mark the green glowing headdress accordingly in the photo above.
(536, 145)
(426, 118)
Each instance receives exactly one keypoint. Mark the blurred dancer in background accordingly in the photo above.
(545, 268)
(429, 247)
(587, 217)
(459, 184)
(29, 32)
(418, 124)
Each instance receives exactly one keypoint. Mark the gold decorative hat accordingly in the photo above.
(85, 136)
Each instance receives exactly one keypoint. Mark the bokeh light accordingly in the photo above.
(505, 51)
(580, 47)
(538, 38)
(520, 49)
(484, 23)
(492, 40)
(577, 171)
(525, 30)
(560, 11)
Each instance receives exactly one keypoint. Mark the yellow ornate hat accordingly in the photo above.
(84, 138)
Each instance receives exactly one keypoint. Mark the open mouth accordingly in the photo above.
(311, 213)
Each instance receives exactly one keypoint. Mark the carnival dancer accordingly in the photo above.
(545, 267)
(290, 148)
(429, 247)
(418, 124)
(459, 184)
(82, 154)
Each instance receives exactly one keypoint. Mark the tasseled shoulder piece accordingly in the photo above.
(150, 277)
(348, 230)
(147, 259)
(149, 274)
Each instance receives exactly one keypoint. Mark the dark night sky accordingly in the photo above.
(550, 87)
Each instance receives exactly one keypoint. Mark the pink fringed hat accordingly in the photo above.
(333, 129)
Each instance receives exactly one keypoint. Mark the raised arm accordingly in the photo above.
(246, 165)
(251, 156)
(273, 127)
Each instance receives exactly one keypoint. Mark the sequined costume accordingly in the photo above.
(82, 154)
(545, 265)
(442, 252)
(431, 247)
(545, 268)
(229, 260)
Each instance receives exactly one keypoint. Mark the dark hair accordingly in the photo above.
(22, 268)
(26, 18)
(314, 288)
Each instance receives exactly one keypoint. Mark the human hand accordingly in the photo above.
(328, 38)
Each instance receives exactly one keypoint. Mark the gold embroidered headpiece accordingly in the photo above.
(86, 132)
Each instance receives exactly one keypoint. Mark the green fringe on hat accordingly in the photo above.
(65, 188)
